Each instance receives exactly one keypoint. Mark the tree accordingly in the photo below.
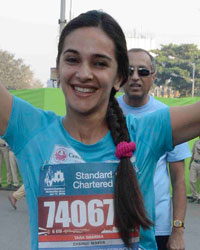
(14, 74)
(175, 67)
(36, 84)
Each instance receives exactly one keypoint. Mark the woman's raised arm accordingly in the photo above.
(5, 108)
(185, 122)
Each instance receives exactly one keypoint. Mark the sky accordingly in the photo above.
(29, 29)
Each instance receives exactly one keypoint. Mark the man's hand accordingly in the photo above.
(176, 239)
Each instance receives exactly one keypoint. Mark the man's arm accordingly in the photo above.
(5, 108)
(185, 122)
(179, 200)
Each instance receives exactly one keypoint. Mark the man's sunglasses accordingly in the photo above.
(141, 71)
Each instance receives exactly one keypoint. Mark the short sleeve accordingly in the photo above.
(179, 153)
(24, 123)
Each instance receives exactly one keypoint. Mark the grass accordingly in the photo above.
(4, 176)
(46, 98)
(53, 99)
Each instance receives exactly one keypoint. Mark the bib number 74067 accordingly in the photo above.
(80, 213)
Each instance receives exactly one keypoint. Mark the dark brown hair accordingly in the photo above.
(128, 201)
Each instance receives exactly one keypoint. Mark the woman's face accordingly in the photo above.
(87, 71)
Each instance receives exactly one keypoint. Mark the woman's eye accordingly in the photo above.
(101, 64)
(71, 60)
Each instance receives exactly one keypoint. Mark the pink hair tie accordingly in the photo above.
(125, 149)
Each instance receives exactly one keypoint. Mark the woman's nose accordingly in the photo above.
(84, 72)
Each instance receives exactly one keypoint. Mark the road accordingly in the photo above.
(15, 235)
(14, 224)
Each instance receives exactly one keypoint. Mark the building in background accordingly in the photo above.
(52, 82)
(140, 39)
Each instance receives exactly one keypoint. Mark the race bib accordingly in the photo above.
(76, 209)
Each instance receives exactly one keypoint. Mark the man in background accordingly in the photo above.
(195, 171)
(4, 155)
(138, 102)
(14, 169)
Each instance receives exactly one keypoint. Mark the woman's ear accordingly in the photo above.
(116, 88)
(117, 84)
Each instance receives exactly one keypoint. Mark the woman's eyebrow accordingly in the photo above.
(95, 55)
(103, 56)
(71, 51)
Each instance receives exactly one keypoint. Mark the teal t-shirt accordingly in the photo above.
(38, 137)
(161, 178)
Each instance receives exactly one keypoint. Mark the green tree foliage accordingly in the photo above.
(175, 67)
(14, 74)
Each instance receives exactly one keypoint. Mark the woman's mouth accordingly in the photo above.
(84, 90)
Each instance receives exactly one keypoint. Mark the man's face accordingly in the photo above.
(137, 87)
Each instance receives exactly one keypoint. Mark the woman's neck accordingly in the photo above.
(86, 129)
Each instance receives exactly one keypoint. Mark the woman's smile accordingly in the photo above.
(84, 90)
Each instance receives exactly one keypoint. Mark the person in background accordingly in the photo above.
(194, 167)
(4, 155)
(137, 101)
(14, 169)
(16, 196)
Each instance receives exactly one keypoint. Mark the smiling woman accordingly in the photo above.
(94, 137)
(87, 72)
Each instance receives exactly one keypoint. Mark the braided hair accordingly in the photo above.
(128, 202)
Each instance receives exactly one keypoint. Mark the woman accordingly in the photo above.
(92, 64)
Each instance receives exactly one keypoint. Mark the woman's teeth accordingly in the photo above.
(84, 90)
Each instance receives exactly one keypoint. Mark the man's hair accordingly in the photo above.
(153, 62)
